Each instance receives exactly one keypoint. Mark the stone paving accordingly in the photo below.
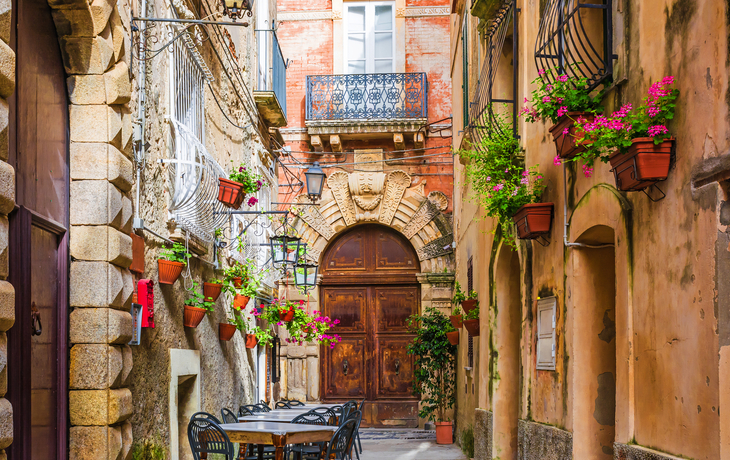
(381, 444)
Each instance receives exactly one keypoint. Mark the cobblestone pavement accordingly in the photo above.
(405, 445)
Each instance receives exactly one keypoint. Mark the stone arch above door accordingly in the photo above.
(383, 198)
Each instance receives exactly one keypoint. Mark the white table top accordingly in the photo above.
(275, 428)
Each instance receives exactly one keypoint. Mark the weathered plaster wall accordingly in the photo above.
(668, 311)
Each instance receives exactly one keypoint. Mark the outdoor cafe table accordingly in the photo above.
(276, 434)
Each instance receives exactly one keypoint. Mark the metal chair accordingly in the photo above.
(295, 403)
(355, 415)
(263, 407)
(327, 413)
(242, 411)
(341, 442)
(357, 433)
(206, 415)
(282, 405)
(253, 408)
(228, 416)
(302, 451)
(207, 437)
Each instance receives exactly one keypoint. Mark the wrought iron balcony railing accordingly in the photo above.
(385, 96)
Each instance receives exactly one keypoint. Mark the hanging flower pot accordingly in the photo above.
(169, 271)
(456, 321)
(533, 220)
(240, 301)
(230, 193)
(193, 316)
(472, 325)
(251, 341)
(453, 337)
(226, 331)
(286, 315)
(237, 282)
(565, 143)
(468, 305)
(212, 291)
(643, 165)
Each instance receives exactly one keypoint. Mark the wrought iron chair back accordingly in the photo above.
(206, 415)
(253, 408)
(357, 416)
(243, 411)
(327, 413)
(282, 405)
(263, 407)
(310, 418)
(295, 403)
(339, 445)
(228, 416)
(207, 437)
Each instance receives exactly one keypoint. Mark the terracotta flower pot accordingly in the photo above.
(453, 337)
(643, 165)
(226, 331)
(193, 316)
(168, 271)
(468, 305)
(456, 321)
(251, 340)
(240, 301)
(212, 291)
(533, 220)
(230, 193)
(237, 282)
(472, 325)
(444, 433)
(565, 144)
(286, 315)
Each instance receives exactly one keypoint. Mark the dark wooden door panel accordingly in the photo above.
(393, 306)
(345, 367)
(349, 253)
(349, 305)
(395, 373)
(392, 254)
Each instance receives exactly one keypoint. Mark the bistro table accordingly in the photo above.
(276, 434)
(274, 416)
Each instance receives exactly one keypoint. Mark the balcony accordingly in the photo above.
(270, 94)
(365, 105)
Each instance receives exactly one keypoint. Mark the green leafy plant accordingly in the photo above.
(467, 442)
(473, 314)
(459, 295)
(149, 450)
(605, 135)
(501, 183)
(554, 100)
(263, 336)
(239, 322)
(472, 295)
(251, 181)
(435, 363)
(303, 327)
(457, 311)
(197, 300)
(177, 253)
(217, 281)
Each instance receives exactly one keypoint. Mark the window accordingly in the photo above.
(369, 37)
(546, 346)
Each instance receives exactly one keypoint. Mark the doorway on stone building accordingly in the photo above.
(38, 246)
(369, 283)
(594, 346)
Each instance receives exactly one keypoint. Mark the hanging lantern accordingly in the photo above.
(305, 274)
(315, 181)
(236, 9)
(284, 249)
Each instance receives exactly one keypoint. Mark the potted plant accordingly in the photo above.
(212, 289)
(226, 330)
(302, 327)
(501, 183)
(241, 181)
(243, 283)
(456, 318)
(171, 262)
(471, 302)
(563, 100)
(259, 336)
(453, 337)
(471, 322)
(434, 369)
(196, 306)
(636, 142)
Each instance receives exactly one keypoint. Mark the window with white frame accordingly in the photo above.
(546, 343)
(369, 37)
(187, 88)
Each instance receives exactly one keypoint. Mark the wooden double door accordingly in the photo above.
(369, 284)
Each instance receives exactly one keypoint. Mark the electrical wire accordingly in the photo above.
(337, 165)
(352, 151)
(217, 102)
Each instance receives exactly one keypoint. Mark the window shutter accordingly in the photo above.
(546, 323)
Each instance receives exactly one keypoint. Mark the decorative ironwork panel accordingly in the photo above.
(367, 96)
(569, 41)
(482, 110)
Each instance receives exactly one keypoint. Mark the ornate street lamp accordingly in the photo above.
(305, 274)
(236, 9)
(284, 249)
(315, 181)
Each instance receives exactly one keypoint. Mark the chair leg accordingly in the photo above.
(359, 443)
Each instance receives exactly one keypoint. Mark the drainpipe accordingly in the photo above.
(565, 220)
(139, 151)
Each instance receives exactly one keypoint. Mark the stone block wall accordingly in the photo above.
(94, 41)
(536, 441)
(631, 452)
(7, 202)
(483, 423)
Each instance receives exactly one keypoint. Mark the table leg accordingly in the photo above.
(242, 451)
(279, 453)
(279, 442)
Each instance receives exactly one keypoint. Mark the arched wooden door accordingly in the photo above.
(369, 283)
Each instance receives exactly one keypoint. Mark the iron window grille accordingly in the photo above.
(565, 44)
(483, 110)
(272, 67)
(382, 96)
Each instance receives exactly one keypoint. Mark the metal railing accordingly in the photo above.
(565, 43)
(484, 108)
(383, 96)
(272, 66)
